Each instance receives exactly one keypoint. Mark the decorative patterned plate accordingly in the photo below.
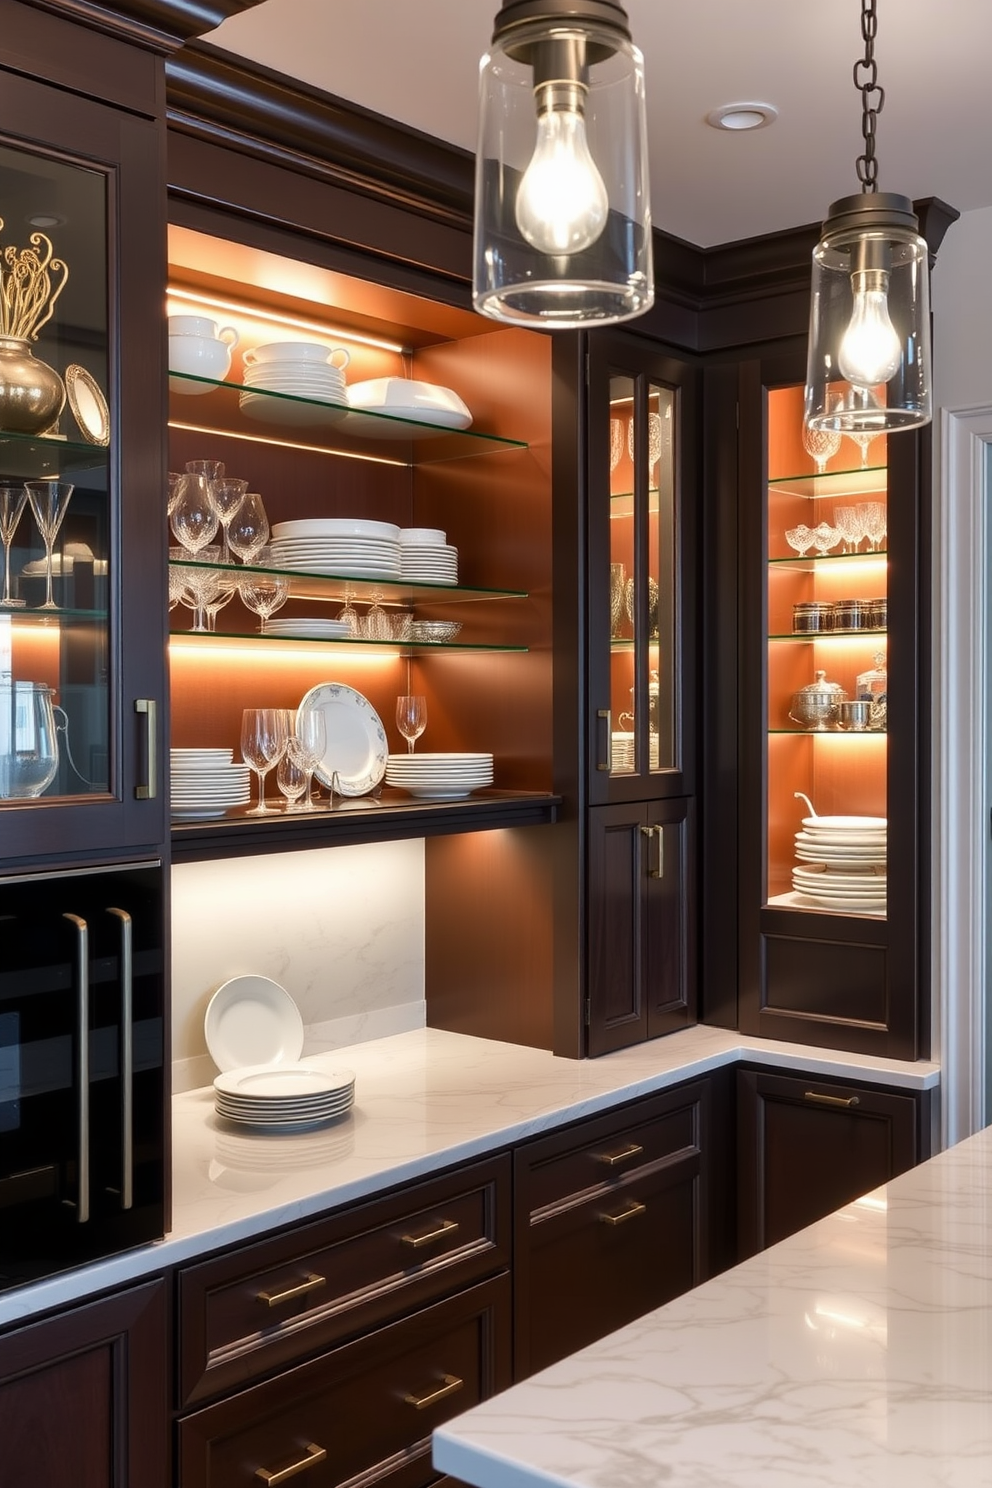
(356, 750)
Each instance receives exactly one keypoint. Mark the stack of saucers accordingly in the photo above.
(310, 627)
(351, 547)
(207, 782)
(427, 557)
(439, 777)
(842, 863)
(283, 1097)
(296, 370)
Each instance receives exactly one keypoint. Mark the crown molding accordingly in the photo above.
(156, 25)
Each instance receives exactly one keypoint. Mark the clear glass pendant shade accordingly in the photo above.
(869, 343)
(562, 207)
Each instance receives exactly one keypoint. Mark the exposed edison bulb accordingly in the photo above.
(562, 205)
(870, 350)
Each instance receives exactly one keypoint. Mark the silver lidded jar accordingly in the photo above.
(817, 705)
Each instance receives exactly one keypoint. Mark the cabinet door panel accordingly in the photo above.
(617, 908)
(669, 918)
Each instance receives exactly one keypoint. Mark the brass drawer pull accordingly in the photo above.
(444, 1228)
(633, 1149)
(831, 1100)
(631, 1212)
(314, 1455)
(421, 1402)
(312, 1283)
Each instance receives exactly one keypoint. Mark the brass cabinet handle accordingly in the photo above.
(607, 714)
(82, 1064)
(631, 1212)
(632, 1149)
(444, 1228)
(421, 1402)
(658, 834)
(314, 1455)
(127, 1057)
(272, 1299)
(831, 1100)
(149, 709)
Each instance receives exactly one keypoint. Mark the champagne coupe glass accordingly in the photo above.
(49, 500)
(864, 442)
(226, 495)
(307, 746)
(264, 734)
(194, 520)
(13, 500)
(291, 780)
(411, 718)
(821, 445)
(264, 593)
(248, 531)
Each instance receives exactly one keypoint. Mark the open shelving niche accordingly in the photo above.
(345, 462)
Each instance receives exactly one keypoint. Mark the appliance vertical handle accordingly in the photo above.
(149, 709)
(82, 1063)
(127, 1056)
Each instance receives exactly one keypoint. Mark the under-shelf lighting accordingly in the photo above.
(207, 650)
(292, 322)
(312, 449)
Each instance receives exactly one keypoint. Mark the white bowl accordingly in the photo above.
(393, 394)
(296, 351)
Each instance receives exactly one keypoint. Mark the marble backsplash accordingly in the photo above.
(342, 929)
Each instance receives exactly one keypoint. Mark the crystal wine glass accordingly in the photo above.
(349, 615)
(248, 531)
(875, 520)
(864, 442)
(847, 520)
(194, 520)
(821, 445)
(264, 593)
(224, 589)
(210, 470)
(175, 480)
(377, 625)
(49, 501)
(264, 735)
(307, 747)
(656, 440)
(616, 443)
(291, 780)
(202, 585)
(12, 502)
(411, 718)
(226, 495)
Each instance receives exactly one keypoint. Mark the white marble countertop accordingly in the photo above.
(423, 1100)
(856, 1354)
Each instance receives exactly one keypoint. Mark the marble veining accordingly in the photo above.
(424, 1099)
(855, 1354)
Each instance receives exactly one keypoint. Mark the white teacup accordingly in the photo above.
(199, 356)
(298, 351)
(201, 325)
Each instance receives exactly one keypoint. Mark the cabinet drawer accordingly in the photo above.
(250, 1312)
(596, 1155)
(364, 1411)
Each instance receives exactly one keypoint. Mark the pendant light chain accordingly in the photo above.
(872, 97)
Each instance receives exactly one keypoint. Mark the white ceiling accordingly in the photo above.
(417, 61)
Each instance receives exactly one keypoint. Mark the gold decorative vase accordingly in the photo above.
(32, 394)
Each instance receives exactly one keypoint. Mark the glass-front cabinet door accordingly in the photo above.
(80, 641)
(638, 646)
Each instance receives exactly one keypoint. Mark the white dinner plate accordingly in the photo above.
(438, 792)
(846, 823)
(336, 527)
(290, 1105)
(251, 1020)
(264, 1081)
(198, 813)
(862, 905)
(356, 749)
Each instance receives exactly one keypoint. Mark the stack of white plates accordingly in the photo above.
(624, 750)
(338, 545)
(286, 1097)
(296, 370)
(254, 1033)
(439, 777)
(842, 862)
(311, 627)
(426, 557)
(206, 782)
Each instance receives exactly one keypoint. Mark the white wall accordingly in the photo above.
(962, 314)
(342, 929)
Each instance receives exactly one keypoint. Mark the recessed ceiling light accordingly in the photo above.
(738, 116)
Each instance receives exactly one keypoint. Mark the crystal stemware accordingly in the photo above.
(194, 520)
(875, 522)
(12, 502)
(226, 495)
(307, 746)
(377, 625)
(264, 593)
(210, 470)
(264, 735)
(864, 443)
(411, 718)
(291, 780)
(848, 522)
(820, 445)
(201, 585)
(224, 589)
(800, 538)
(348, 614)
(616, 443)
(825, 537)
(173, 490)
(656, 440)
(248, 531)
(49, 501)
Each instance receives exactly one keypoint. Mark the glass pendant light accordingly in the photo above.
(562, 210)
(869, 338)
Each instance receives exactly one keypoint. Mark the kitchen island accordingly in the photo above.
(856, 1352)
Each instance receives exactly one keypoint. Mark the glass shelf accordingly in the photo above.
(331, 587)
(33, 456)
(833, 483)
(806, 562)
(622, 503)
(39, 617)
(827, 635)
(830, 733)
(306, 423)
(356, 645)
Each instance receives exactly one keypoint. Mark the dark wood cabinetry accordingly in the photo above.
(611, 1220)
(83, 1396)
(808, 1146)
